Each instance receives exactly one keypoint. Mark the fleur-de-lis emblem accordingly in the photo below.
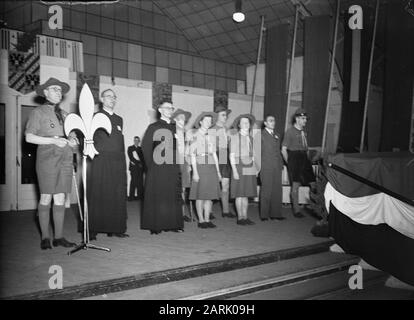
(87, 122)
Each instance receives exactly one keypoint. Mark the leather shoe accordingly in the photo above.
(210, 225)
(278, 218)
(120, 235)
(62, 242)
(45, 244)
(265, 219)
(212, 216)
(298, 215)
(187, 219)
(242, 222)
(249, 222)
(155, 232)
(202, 225)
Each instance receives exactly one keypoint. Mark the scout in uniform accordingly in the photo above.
(53, 160)
(295, 153)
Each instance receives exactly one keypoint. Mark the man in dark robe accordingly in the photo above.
(136, 168)
(271, 167)
(162, 199)
(107, 183)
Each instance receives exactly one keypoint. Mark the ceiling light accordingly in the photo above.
(238, 15)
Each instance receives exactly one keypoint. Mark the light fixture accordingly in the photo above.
(238, 15)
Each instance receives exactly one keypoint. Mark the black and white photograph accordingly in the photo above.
(225, 151)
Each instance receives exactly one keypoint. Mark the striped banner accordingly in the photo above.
(24, 71)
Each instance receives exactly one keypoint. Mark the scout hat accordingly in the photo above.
(222, 108)
(202, 116)
(249, 116)
(179, 111)
(52, 82)
(300, 112)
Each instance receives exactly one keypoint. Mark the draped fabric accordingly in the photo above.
(374, 210)
(367, 222)
(392, 170)
(276, 73)
(316, 75)
(379, 245)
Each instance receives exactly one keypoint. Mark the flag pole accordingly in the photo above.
(328, 100)
(364, 119)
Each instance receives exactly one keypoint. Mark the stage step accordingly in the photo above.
(229, 284)
(177, 274)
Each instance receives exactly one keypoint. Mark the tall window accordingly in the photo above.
(28, 151)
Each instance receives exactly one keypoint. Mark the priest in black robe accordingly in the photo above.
(162, 198)
(107, 179)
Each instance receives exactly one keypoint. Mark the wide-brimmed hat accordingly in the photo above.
(300, 112)
(179, 111)
(219, 109)
(249, 116)
(52, 82)
(202, 116)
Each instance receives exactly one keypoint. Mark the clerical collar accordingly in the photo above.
(269, 130)
(166, 120)
(111, 112)
(297, 127)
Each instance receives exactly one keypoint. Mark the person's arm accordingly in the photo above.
(147, 147)
(193, 157)
(233, 166)
(217, 165)
(257, 151)
(196, 177)
(130, 156)
(234, 141)
(35, 139)
(285, 153)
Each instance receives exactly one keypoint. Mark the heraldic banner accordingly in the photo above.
(24, 71)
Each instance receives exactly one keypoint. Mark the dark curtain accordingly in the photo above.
(317, 42)
(276, 74)
(399, 78)
(353, 111)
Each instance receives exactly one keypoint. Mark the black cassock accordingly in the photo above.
(107, 181)
(162, 198)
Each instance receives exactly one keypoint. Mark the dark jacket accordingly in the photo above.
(133, 162)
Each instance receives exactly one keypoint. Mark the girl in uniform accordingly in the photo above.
(243, 182)
(205, 186)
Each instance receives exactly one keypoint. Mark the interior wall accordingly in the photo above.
(195, 100)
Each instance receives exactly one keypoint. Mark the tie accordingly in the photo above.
(304, 142)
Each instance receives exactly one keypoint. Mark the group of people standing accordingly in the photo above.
(206, 163)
